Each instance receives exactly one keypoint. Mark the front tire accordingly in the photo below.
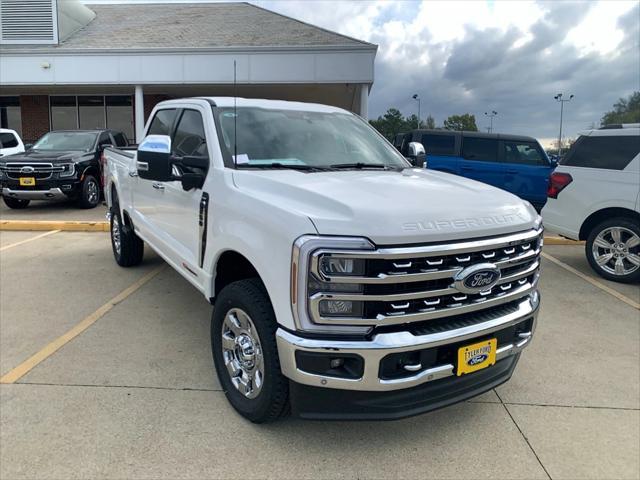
(613, 250)
(15, 203)
(89, 192)
(243, 343)
(128, 248)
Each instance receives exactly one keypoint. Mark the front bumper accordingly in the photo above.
(373, 351)
(49, 194)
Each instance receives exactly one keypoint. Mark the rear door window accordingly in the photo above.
(436, 144)
(523, 153)
(8, 140)
(480, 149)
(610, 152)
(104, 140)
(162, 122)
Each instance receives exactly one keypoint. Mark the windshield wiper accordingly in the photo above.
(361, 165)
(284, 166)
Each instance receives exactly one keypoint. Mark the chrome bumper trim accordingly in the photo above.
(383, 344)
(51, 194)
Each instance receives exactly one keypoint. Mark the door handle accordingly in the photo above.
(133, 174)
(158, 186)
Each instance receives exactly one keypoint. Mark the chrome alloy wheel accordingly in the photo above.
(242, 353)
(616, 250)
(115, 234)
(92, 192)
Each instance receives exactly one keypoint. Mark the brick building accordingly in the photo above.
(67, 65)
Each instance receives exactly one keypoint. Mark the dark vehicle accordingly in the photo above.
(515, 163)
(62, 164)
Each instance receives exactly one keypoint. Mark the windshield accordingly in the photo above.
(269, 138)
(66, 141)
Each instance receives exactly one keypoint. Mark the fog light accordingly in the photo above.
(341, 308)
(336, 362)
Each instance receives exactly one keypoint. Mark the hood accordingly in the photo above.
(392, 208)
(49, 157)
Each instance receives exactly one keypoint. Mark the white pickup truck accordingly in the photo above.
(345, 283)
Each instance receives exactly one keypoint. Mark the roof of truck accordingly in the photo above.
(195, 26)
(260, 103)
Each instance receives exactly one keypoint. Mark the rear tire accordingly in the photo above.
(89, 192)
(613, 249)
(16, 203)
(128, 248)
(245, 354)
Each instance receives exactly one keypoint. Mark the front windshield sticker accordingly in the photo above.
(241, 158)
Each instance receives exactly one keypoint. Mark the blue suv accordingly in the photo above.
(514, 163)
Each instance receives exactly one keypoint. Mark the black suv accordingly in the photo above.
(62, 164)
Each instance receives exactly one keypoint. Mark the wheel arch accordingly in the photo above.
(232, 266)
(596, 217)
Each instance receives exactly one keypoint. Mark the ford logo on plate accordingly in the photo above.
(475, 360)
(477, 278)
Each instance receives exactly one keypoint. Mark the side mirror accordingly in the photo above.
(191, 180)
(28, 146)
(417, 155)
(153, 158)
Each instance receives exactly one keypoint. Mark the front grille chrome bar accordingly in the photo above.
(397, 319)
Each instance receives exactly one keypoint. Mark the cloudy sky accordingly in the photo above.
(477, 56)
(508, 56)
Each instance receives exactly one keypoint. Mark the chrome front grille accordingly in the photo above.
(39, 171)
(414, 284)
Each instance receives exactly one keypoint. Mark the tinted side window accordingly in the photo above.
(8, 140)
(120, 139)
(406, 140)
(104, 140)
(613, 153)
(523, 153)
(190, 138)
(482, 149)
(162, 122)
(439, 144)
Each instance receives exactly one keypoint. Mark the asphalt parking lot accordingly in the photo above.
(115, 380)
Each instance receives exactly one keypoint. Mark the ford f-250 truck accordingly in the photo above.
(345, 283)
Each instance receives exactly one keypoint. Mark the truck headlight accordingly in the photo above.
(326, 267)
(69, 170)
(341, 266)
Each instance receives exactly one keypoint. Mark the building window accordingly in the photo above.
(120, 114)
(91, 112)
(10, 115)
(64, 112)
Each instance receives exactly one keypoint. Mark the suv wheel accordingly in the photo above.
(245, 354)
(89, 192)
(613, 250)
(15, 202)
(127, 247)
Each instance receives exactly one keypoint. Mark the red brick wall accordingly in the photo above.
(34, 110)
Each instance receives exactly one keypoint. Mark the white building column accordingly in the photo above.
(364, 101)
(139, 109)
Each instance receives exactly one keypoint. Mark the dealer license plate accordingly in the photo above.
(477, 356)
(27, 181)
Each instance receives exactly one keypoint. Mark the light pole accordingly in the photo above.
(416, 97)
(491, 115)
(562, 101)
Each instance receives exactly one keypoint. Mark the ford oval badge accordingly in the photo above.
(476, 359)
(477, 278)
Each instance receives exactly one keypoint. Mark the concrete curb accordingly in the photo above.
(76, 226)
(65, 226)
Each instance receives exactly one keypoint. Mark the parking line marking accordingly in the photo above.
(26, 366)
(7, 247)
(593, 282)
